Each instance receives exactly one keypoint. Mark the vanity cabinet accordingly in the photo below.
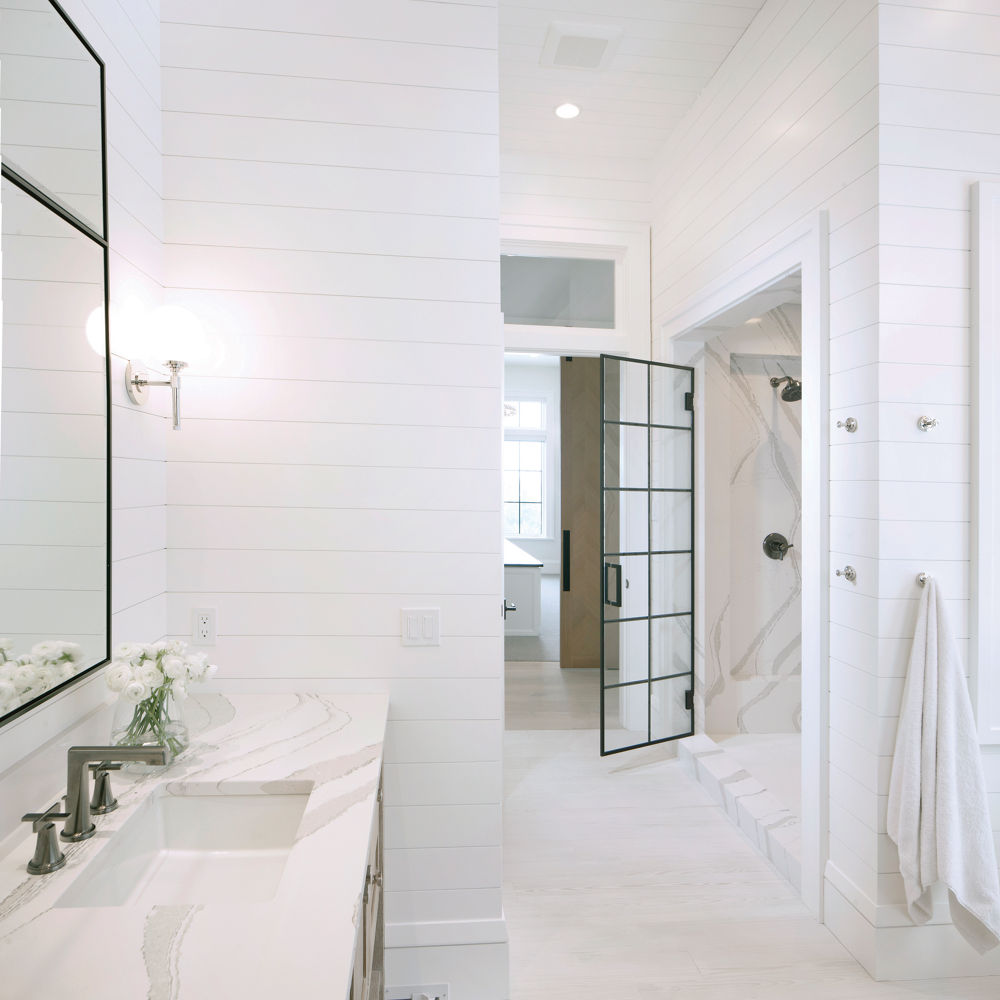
(368, 976)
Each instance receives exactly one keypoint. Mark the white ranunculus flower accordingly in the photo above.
(118, 674)
(210, 671)
(149, 674)
(46, 676)
(128, 651)
(64, 671)
(6, 645)
(8, 693)
(72, 651)
(179, 691)
(46, 650)
(24, 676)
(174, 667)
(135, 691)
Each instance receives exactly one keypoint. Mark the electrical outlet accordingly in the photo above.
(203, 626)
(438, 992)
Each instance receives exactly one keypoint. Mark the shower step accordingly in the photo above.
(772, 828)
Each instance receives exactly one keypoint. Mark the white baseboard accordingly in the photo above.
(472, 971)
(891, 949)
(445, 933)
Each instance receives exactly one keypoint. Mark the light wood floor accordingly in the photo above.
(542, 695)
(623, 881)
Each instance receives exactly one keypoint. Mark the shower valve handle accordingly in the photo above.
(776, 546)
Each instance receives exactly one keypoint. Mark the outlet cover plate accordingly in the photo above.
(203, 626)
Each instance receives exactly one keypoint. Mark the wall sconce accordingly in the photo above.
(167, 331)
(137, 383)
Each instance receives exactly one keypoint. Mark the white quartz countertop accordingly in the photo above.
(299, 943)
(514, 555)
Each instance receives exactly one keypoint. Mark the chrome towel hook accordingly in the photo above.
(922, 579)
(926, 423)
(849, 573)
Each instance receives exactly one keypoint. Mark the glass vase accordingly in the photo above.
(157, 719)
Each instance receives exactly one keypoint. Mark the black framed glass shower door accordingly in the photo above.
(647, 538)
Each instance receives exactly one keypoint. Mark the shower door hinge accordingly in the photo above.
(689, 700)
(689, 401)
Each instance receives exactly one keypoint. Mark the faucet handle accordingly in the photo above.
(47, 857)
(38, 821)
(103, 800)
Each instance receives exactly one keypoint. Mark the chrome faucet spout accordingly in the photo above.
(78, 825)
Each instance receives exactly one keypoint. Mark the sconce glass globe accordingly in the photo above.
(176, 334)
(94, 330)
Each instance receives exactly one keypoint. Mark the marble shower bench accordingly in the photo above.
(766, 822)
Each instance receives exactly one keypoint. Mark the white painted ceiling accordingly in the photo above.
(669, 50)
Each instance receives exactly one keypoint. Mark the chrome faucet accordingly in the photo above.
(78, 825)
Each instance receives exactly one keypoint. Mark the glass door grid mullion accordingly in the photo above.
(649, 558)
(638, 423)
(665, 677)
(645, 489)
(649, 617)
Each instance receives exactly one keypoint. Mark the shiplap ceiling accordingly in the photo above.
(668, 51)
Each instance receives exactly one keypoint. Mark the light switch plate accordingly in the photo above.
(420, 626)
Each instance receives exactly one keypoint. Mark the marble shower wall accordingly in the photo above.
(751, 667)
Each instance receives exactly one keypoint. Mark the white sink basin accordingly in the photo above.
(197, 846)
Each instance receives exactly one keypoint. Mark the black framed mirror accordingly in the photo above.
(55, 440)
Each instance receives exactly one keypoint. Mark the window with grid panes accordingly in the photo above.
(524, 487)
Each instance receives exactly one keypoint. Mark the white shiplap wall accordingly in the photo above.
(879, 114)
(568, 191)
(939, 92)
(786, 129)
(127, 37)
(332, 213)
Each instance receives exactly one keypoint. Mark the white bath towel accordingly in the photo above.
(938, 815)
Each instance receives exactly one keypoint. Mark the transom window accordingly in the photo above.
(524, 462)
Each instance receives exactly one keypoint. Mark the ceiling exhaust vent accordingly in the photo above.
(579, 46)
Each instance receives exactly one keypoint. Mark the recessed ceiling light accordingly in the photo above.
(567, 111)
(753, 321)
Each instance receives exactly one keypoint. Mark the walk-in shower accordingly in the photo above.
(792, 392)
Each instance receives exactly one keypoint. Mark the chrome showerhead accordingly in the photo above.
(792, 392)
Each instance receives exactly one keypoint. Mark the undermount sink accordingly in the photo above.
(198, 845)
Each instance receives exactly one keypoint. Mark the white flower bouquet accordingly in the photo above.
(151, 681)
(26, 676)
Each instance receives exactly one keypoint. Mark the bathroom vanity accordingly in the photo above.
(251, 866)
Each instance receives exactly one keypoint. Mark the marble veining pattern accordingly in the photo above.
(162, 937)
(750, 667)
(263, 744)
(765, 496)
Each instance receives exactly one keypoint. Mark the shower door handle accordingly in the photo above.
(616, 567)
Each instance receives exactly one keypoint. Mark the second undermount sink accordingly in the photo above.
(199, 845)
